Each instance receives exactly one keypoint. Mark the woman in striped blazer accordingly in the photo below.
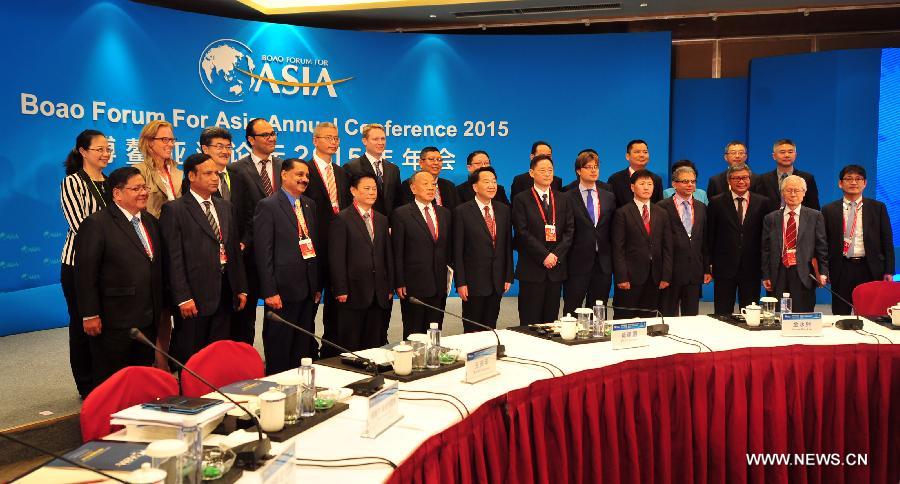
(84, 191)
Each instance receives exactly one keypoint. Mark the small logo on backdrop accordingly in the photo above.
(228, 72)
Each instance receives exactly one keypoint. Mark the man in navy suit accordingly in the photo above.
(638, 155)
(784, 152)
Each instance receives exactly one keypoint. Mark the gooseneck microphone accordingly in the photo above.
(250, 455)
(60, 457)
(846, 323)
(501, 350)
(364, 387)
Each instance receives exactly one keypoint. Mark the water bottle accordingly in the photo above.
(599, 326)
(193, 463)
(433, 352)
(307, 388)
(786, 303)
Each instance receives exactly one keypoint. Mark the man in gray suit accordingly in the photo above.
(793, 247)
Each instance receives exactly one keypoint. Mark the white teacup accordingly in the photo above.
(894, 311)
(403, 359)
(568, 328)
(751, 314)
(271, 411)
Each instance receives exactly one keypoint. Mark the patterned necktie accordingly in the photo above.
(592, 213)
(740, 210)
(645, 215)
(545, 205)
(686, 217)
(790, 238)
(264, 174)
(437, 195)
(368, 220)
(140, 233)
(331, 186)
(301, 220)
(224, 189)
(430, 222)
(207, 205)
(850, 231)
(491, 224)
(378, 172)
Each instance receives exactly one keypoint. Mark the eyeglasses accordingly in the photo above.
(166, 140)
(739, 178)
(857, 179)
(330, 139)
(270, 134)
(101, 150)
(689, 182)
(137, 189)
(222, 147)
(793, 190)
(590, 167)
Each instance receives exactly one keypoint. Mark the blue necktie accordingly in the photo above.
(140, 233)
(686, 217)
(590, 206)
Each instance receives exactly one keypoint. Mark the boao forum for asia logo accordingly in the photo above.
(229, 73)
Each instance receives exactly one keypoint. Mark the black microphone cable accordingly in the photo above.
(547, 363)
(324, 462)
(426, 399)
(506, 359)
(443, 395)
(691, 339)
(670, 336)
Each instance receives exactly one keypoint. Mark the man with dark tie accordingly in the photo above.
(590, 258)
(431, 161)
(478, 159)
(543, 218)
(690, 258)
(784, 152)
(482, 251)
(735, 153)
(361, 264)
(119, 277)
(374, 163)
(735, 220)
(860, 239)
(420, 232)
(285, 243)
(523, 182)
(329, 188)
(215, 141)
(256, 176)
(638, 155)
(641, 250)
(203, 260)
(792, 237)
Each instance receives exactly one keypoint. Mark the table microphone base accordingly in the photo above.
(252, 455)
(366, 386)
(501, 351)
(849, 324)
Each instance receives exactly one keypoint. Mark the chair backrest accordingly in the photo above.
(127, 387)
(222, 362)
(874, 298)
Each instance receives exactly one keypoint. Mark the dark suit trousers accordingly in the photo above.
(79, 341)
(417, 319)
(284, 345)
(644, 295)
(803, 299)
(114, 349)
(243, 322)
(680, 300)
(193, 334)
(360, 329)
(724, 293)
(481, 309)
(329, 317)
(538, 302)
(589, 287)
(854, 273)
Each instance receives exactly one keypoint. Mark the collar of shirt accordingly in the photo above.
(421, 205)
(292, 199)
(779, 171)
(734, 196)
(482, 205)
(128, 215)
(256, 159)
(630, 171)
(847, 202)
(640, 205)
(199, 199)
(680, 201)
(796, 211)
(583, 188)
(372, 160)
(322, 164)
(541, 193)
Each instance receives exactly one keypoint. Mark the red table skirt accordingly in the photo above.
(686, 418)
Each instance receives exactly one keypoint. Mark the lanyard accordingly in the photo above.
(541, 208)
(334, 204)
(169, 179)
(146, 236)
(302, 230)
(855, 223)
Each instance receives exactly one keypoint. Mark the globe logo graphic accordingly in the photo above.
(219, 67)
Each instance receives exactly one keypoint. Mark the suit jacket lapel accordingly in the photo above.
(224, 214)
(417, 215)
(581, 203)
(480, 217)
(128, 228)
(779, 229)
(637, 218)
(361, 225)
(199, 215)
(288, 210)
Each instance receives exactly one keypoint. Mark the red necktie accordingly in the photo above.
(491, 225)
(790, 239)
(645, 215)
(430, 222)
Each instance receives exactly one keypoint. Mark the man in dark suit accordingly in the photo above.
(478, 159)
(420, 232)
(330, 189)
(203, 260)
(256, 176)
(216, 142)
(544, 228)
(638, 155)
(524, 182)
(784, 152)
(373, 163)
(285, 243)
(361, 264)
(482, 251)
(690, 258)
(860, 239)
(792, 237)
(734, 231)
(431, 161)
(641, 250)
(735, 153)
(119, 278)
(590, 258)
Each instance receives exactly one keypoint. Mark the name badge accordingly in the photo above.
(481, 364)
(629, 335)
(801, 324)
(550, 233)
(384, 410)
(791, 257)
(306, 248)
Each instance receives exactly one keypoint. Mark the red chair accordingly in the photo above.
(874, 298)
(221, 363)
(127, 387)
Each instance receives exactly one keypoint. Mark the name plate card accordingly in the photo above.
(481, 364)
(629, 335)
(801, 324)
(384, 410)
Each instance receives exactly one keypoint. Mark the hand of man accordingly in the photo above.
(242, 301)
(663, 284)
(463, 292)
(188, 309)
(624, 285)
(274, 302)
(93, 326)
(707, 278)
(342, 298)
(550, 261)
(767, 284)
(822, 280)
(318, 297)
(506, 286)
(401, 292)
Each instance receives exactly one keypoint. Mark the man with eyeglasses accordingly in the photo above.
(860, 239)
(374, 163)
(638, 155)
(698, 193)
(215, 141)
(784, 152)
(431, 161)
(735, 153)
(478, 159)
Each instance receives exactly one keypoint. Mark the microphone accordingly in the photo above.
(501, 350)
(846, 323)
(250, 455)
(60, 457)
(365, 387)
(660, 329)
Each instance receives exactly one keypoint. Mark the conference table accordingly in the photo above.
(670, 411)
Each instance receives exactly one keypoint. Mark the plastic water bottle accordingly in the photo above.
(786, 303)
(307, 388)
(433, 352)
(193, 466)
(598, 328)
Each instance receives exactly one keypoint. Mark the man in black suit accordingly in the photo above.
(860, 239)
(792, 237)
(203, 260)
(544, 228)
(482, 251)
(735, 232)
(431, 161)
(216, 142)
(420, 232)
(285, 243)
(524, 182)
(641, 250)
(119, 278)
(590, 258)
(735, 153)
(478, 159)
(784, 152)
(256, 176)
(361, 264)
(373, 163)
(690, 258)
(330, 189)
(638, 155)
